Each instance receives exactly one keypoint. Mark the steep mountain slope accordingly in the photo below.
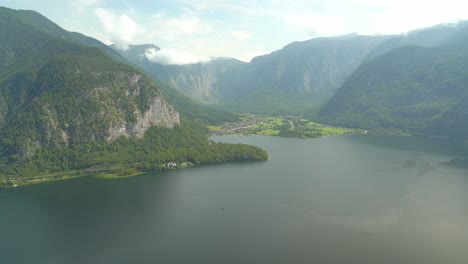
(178, 76)
(66, 106)
(425, 37)
(411, 88)
(300, 76)
(198, 81)
(42, 24)
(295, 79)
(453, 123)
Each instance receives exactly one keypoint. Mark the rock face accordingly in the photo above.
(199, 81)
(160, 114)
(300, 74)
(315, 67)
(61, 90)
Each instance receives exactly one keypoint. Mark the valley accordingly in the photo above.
(287, 126)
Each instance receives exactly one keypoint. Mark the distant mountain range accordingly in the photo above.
(300, 76)
(414, 82)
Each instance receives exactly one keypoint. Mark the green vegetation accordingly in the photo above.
(124, 174)
(127, 156)
(276, 102)
(270, 126)
(214, 128)
(413, 90)
(190, 110)
(296, 80)
(67, 110)
(289, 126)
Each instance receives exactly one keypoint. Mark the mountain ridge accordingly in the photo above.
(409, 88)
(271, 78)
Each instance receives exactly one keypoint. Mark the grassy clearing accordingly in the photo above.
(268, 132)
(214, 128)
(107, 176)
(270, 126)
(282, 126)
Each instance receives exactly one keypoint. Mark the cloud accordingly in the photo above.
(120, 30)
(240, 35)
(186, 24)
(248, 56)
(82, 5)
(171, 56)
(408, 15)
(317, 24)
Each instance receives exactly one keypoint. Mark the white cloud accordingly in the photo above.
(187, 24)
(248, 56)
(402, 16)
(240, 35)
(121, 30)
(171, 56)
(82, 5)
(317, 24)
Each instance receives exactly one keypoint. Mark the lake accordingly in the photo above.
(341, 199)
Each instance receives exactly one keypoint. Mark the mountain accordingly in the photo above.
(192, 83)
(40, 23)
(425, 37)
(294, 79)
(198, 81)
(411, 88)
(301, 75)
(186, 107)
(451, 124)
(67, 104)
(135, 53)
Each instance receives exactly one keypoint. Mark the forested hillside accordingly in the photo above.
(411, 88)
(65, 106)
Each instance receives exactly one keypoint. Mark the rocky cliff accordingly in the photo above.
(160, 114)
(57, 92)
(198, 81)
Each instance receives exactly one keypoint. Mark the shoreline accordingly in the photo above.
(109, 173)
(15, 182)
(104, 174)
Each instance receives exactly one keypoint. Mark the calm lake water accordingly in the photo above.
(342, 199)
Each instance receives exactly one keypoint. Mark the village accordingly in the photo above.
(287, 126)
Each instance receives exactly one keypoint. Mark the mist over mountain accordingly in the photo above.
(199, 81)
(425, 37)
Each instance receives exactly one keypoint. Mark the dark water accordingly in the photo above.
(348, 199)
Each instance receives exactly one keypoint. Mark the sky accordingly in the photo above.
(189, 31)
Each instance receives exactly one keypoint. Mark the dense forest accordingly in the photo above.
(158, 147)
